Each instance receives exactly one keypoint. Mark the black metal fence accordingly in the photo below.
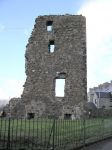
(48, 134)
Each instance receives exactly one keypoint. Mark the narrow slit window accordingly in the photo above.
(51, 47)
(60, 87)
(49, 25)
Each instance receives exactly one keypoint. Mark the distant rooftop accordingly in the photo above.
(105, 87)
(103, 95)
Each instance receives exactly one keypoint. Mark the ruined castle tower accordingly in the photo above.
(56, 54)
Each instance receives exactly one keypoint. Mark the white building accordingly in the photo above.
(101, 96)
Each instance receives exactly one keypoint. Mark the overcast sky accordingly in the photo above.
(17, 18)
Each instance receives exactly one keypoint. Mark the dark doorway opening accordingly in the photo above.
(30, 115)
(2, 114)
(67, 116)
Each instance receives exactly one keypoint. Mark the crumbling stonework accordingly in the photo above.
(15, 108)
(67, 61)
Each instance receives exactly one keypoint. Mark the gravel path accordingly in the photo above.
(104, 145)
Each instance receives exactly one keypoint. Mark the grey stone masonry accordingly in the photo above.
(15, 108)
(56, 50)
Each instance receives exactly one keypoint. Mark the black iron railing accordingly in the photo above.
(52, 134)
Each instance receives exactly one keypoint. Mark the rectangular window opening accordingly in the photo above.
(49, 25)
(60, 87)
(30, 115)
(67, 116)
(51, 47)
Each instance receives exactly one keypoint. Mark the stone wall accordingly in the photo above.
(69, 58)
(15, 108)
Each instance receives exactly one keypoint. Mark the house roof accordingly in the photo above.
(103, 94)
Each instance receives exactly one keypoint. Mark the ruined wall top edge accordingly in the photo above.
(66, 15)
(60, 15)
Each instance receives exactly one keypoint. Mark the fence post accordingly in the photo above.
(8, 142)
(103, 128)
(84, 133)
(53, 135)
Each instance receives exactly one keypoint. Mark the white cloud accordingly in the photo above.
(2, 28)
(11, 88)
(99, 40)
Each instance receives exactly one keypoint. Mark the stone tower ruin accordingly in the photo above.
(56, 52)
